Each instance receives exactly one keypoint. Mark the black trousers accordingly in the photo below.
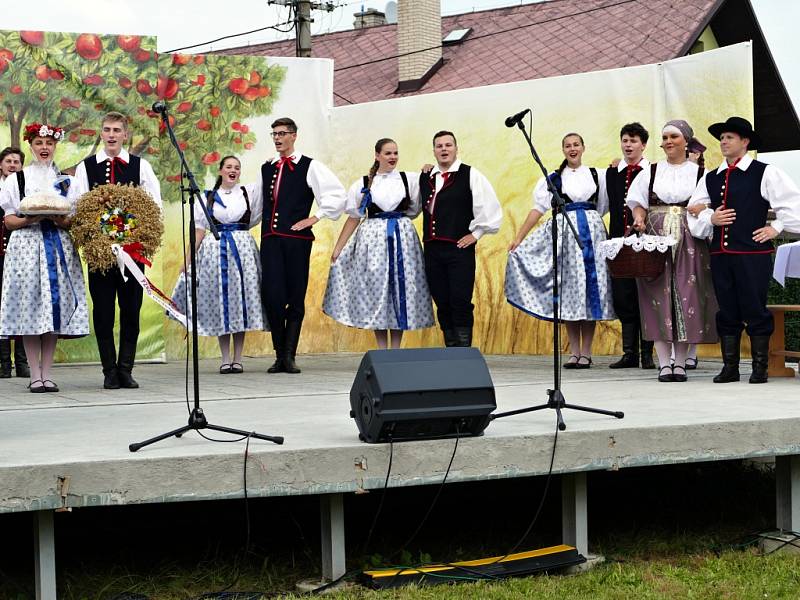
(106, 289)
(741, 282)
(451, 278)
(626, 300)
(284, 280)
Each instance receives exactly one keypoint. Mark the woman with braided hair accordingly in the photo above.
(585, 285)
(228, 270)
(377, 278)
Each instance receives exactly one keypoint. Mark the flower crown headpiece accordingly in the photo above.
(35, 130)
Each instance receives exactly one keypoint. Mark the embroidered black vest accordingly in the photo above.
(620, 215)
(243, 220)
(373, 210)
(99, 173)
(744, 196)
(294, 201)
(452, 210)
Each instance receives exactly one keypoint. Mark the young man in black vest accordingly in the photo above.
(739, 195)
(633, 141)
(290, 183)
(113, 164)
(459, 206)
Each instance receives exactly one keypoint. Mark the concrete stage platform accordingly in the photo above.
(80, 436)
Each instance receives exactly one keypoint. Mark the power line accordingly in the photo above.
(276, 27)
(486, 35)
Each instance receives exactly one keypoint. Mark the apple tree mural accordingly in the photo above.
(72, 79)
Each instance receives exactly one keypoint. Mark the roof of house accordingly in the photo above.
(557, 37)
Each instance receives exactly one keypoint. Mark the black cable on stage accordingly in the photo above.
(383, 497)
(486, 35)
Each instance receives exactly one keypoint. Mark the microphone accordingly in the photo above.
(161, 108)
(512, 120)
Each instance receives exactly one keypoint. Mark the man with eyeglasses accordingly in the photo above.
(290, 182)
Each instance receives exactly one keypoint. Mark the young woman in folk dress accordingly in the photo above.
(44, 296)
(228, 270)
(377, 278)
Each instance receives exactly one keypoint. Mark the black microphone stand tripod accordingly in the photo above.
(555, 398)
(197, 419)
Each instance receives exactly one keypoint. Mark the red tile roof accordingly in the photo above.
(533, 41)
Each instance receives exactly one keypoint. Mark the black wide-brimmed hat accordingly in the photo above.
(737, 125)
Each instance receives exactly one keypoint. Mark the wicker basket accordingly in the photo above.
(630, 263)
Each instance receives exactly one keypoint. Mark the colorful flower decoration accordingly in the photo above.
(117, 224)
(35, 130)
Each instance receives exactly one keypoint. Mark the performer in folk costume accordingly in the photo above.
(113, 164)
(11, 161)
(739, 195)
(633, 141)
(677, 307)
(290, 183)
(585, 285)
(228, 270)
(43, 290)
(459, 206)
(377, 280)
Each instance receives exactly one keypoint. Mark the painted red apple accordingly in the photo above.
(214, 111)
(141, 110)
(248, 145)
(183, 145)
(210, 158)
(6, 54)
(34, 38)
(151, 150)
(251, 94)
(244, 129)
(74, 137)
(56, 75)
(238, 86)
(184, 107)
(89, 46)
(42, 97)
(237, 140)
(166, 88)
(15, 89)
(199, 60)
(255, 78)
(264, 91)
(200, 81)
(3, 65)
(181, 59)
(236, 126)
(93, 80)
(129, 43)
(141, 56)
(203, 125)
(42, 73)
(88, 132)
(144, 87)
(125, 83)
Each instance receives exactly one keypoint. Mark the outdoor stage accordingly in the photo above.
(81, 435)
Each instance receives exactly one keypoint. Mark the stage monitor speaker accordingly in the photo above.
(421, 394)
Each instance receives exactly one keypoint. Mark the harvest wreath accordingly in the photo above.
(116, 214)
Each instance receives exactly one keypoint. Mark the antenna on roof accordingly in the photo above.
(391, 12)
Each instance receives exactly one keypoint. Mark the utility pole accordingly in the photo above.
(303, 20)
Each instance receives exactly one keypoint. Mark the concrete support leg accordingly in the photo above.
(44, 553)
(787, 492)
(574, 518)
(332, 519)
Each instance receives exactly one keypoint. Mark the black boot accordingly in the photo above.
(647, 353)
(277, 343)
(5, 359)
(630, 348)
(759, 350)
(108, 358)
(21, 360)
(292, 337)
(730, 359)
(127, 354)
(463, 337)
(450, 338)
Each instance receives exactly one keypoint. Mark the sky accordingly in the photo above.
(179, 23)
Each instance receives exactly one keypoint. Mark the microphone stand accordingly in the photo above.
(555, 398)
(197, 420)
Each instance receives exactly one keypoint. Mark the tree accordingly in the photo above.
(71, 80)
